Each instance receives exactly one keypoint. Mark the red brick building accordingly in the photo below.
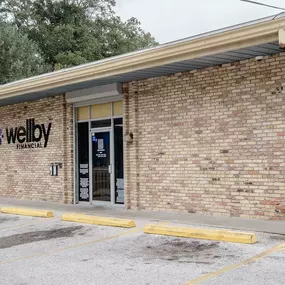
(196, 126)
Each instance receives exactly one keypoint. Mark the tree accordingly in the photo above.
(19, 56)
(72, 32)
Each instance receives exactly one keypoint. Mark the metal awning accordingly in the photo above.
(245, 41)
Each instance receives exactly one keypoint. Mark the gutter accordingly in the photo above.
(195, 47)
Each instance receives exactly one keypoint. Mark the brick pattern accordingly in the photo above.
(210, 141)
(24, 173)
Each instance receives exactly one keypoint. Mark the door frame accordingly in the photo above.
(112, 160)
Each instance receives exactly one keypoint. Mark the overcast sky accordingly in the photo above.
(169, 20)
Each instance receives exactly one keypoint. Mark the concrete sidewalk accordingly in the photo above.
(254, 225)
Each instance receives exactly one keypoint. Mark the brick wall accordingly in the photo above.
(24, 173)
(210, 141)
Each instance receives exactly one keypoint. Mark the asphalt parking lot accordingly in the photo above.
(50, 251)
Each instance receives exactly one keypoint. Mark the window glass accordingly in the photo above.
(101, 158)
(83, 113)
(118, 121)
(101, 111)
(118, 108)
(101, 124)
(83, 161)
(119, 161)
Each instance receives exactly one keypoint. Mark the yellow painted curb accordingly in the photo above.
(219, 235)
(27, 212)
(95, 220)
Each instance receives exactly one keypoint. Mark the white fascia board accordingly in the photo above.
(281, 34)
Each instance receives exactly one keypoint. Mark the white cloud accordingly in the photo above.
(170, 20)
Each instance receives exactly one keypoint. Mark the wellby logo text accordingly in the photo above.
(31, 135)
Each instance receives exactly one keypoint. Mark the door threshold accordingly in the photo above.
(105, 203)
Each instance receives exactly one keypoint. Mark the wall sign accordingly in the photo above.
(101, 153)
(120, 190)
(31, 135)
(84, 181)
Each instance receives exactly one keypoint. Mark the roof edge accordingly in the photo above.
(194, 47)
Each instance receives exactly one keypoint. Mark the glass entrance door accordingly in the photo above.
(101, 165)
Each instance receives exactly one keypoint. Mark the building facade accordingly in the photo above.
(206, 136)
(28, 151)
(209, 141)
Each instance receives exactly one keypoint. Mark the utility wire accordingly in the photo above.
(262, 4)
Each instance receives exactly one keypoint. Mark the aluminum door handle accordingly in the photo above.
(110, 168)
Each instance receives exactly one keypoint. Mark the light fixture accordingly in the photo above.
(259, 57)
(129, 137)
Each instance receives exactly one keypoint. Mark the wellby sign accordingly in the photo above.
(30, 136)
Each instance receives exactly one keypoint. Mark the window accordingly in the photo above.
(98, 111)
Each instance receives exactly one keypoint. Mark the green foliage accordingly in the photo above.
(72, 32)
(19, 56)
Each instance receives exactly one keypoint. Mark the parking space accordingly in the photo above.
(49, 251)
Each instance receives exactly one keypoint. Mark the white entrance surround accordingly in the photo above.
(95, 95)
(85, 98)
